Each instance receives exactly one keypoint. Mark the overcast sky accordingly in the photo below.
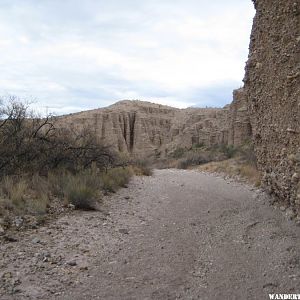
(73, 55)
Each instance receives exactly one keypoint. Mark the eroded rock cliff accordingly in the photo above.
(238, 119)
(272, 87)
(146, 129)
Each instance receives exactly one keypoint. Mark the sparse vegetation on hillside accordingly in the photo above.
(200, 154)
(233, 161)
(234, 168)
(41, 164)
(31, 144)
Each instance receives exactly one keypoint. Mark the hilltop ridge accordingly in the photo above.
(142, 128)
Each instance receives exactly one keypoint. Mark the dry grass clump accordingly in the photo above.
(84, 189)
(18, 195)
(193, 159)
(116, 178)
(81, 195)
(44, 165)
(142, 168)
(37, 206)
(198, 155)
(234, 161)
(15, 191)
(234, 168)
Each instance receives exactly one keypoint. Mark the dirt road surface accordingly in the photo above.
(175, 235)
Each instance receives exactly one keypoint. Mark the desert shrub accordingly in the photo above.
(249, 171)
(82, 190)
(39, 186)
(229, 150)
(7, 185)
(247, 154)
(81, 196)
(121, 175)
(5, 206)
(198, 145)
(122, 159)
(222, 152)
(42, 159)
(234, 168)
(115, 178)
(142, 167)
(31, 144)
(14, 189)
(178, 153)
(37, 206)
(18, 192)
(24, 195)
(39, 191)
(108, 183)
(57, 180)
(193, 159)
(164, 163)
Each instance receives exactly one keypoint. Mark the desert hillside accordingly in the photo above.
(145, 129)
(266, 110)
(144, 201)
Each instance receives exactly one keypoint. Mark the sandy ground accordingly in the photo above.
(176, 235)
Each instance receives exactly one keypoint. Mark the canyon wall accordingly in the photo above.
(272, 88)
(239, 128)
(266, 109)
(145, 129)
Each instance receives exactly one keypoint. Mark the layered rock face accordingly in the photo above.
(145, 129)
(272, 87)
(239, 121)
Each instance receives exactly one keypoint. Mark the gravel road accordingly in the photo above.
(175, 235)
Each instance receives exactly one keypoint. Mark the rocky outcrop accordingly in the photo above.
(272, 87)
(146, 129)
(134, 127)
(238, 119)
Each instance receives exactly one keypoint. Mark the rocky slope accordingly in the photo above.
(146, 129)
(272, 87)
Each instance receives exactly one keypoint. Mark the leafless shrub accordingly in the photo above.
(31, 144)
(40, 159)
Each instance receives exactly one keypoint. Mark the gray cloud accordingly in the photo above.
(83, 54)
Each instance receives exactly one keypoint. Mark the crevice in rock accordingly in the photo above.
(132, 120)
